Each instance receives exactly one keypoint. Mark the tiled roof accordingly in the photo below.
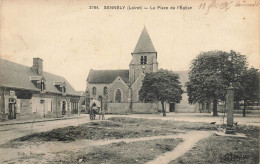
(15, 75)
(144, 43)
(107, 76)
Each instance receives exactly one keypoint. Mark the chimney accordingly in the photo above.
(38, 66)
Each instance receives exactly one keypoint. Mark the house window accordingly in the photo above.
(105, 91)
(41, 85)
(118, 95)
(61, 88)
(143, 60)
(94, 91)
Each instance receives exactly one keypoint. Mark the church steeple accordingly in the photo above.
(144, 57)
(144, 43)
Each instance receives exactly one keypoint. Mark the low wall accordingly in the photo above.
(118, 108)
(187, 108)
(145, 108)
(137, 107)
(122, 108)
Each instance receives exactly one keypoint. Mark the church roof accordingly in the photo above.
(144, 43)
(107, 76)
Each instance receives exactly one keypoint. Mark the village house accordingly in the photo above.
(117, 90)
(29, 92)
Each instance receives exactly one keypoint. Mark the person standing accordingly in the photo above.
(94, 111)
(102, 113)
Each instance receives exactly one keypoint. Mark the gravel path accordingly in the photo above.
(48, 148)
(190, 139)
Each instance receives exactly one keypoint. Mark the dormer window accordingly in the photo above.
(143, 60)
(63, 89)
(39, 82)
(61, 86)
(42, 85)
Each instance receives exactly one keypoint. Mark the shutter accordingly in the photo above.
(18, 106)
(6, 105)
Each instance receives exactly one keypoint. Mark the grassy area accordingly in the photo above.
(177, 125)
(122, 152)
(215, 149)
(222, 149)
(115, 128)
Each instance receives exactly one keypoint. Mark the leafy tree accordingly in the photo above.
(163, 86)
(211, 73)
(249, 87)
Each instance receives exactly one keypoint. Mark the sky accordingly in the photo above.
(72, 39)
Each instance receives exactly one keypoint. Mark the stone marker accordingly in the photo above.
(230, 110)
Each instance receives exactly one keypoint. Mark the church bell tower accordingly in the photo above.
(144, 57)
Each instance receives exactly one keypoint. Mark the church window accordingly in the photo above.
(143, 60)
(105, 91)
(94, 91)
(118, 95)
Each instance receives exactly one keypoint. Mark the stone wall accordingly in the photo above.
(145, 108)
(118, 84)
(139, 107)
(118, 108)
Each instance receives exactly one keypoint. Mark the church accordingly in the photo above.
(117, 90)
